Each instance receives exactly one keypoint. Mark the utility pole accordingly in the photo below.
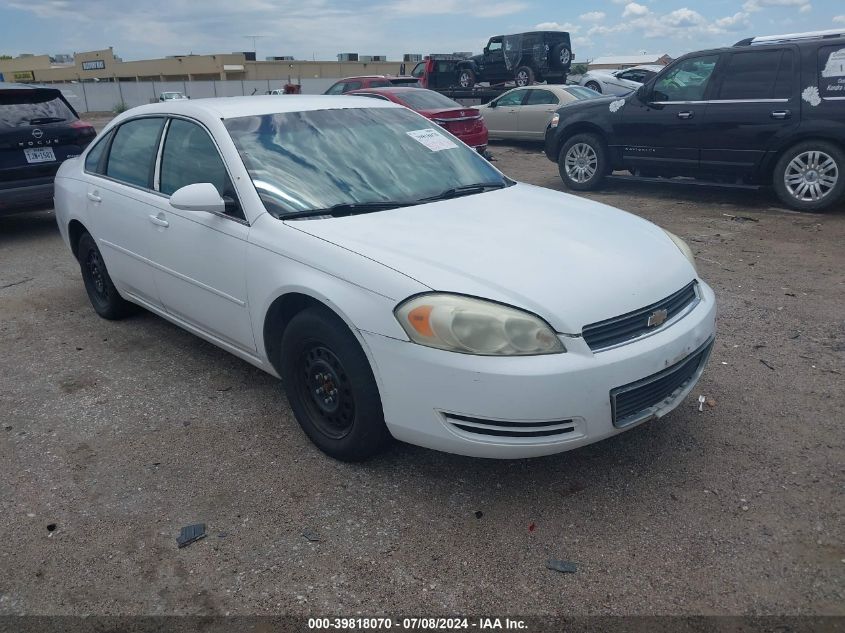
(254, 39)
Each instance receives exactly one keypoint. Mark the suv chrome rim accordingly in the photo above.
(464, 80)
(564, 56)
(522, 78)
(581, 162)
(811, 176)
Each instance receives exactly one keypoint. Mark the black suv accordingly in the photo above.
(523, 58)
(766, 111)
(38, 131)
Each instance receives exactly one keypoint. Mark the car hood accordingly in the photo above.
(569, 260)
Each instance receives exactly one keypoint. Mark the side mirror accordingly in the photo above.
(201, 196)
(492, 104)
(643, 93)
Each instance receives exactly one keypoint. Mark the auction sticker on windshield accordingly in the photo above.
(432, 139)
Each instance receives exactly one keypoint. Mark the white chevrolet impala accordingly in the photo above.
(397, 282)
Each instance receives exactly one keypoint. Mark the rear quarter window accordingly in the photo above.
(832, 71)
(94, 159)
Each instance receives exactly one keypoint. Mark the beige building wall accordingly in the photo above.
(103, 65)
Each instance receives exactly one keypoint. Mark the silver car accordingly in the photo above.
(619, 82)
(524, 113)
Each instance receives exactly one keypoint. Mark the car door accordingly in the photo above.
(495, 69)
(502, 119)
(661, 130)
(200, 256)
(755, 104)
(536, 111)
(118, 190)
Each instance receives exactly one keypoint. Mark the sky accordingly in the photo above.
(319, 29)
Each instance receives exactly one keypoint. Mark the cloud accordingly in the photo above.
(734, 22)
(758, 5)
(476, 8)
(839, 19)
(633, 9)
(554, 26)
(592, 16)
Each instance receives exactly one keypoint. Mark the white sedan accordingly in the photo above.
(619, 82)
(396, 281)
(524, 113)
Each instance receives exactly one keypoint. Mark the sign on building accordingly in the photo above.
(23, 75)
(94, 64)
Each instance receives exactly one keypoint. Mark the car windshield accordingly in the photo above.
(582, 93)
(427, 100)
(319, 159)
(32, 107)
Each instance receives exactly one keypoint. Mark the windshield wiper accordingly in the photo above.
(466, 190)
(347, 208)
(46, 119)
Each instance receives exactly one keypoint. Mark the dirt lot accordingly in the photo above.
(116, 434)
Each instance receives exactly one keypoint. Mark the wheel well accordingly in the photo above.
(281, 311)
(578, 128)
(74, 231)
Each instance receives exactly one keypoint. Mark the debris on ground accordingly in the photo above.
(311, 535)
(531, 527)
(51, 527)
(191, 533)
(563, 566)
(478, 514)
(766, 364)
(701, 401)
(740, 218)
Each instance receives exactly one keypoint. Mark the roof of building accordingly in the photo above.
(627, 59)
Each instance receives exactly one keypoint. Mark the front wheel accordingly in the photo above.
(592, 85)
(331, 387)
(466, 78)
(809, 176)
(102, 293)
(583, 162)
(524, 76)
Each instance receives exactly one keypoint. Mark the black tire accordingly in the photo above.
(102, 293)
(592, 85)
(331, 388)
(466, 78)
(825, 176)
(591, 149)
(561, 57)
(523, 76)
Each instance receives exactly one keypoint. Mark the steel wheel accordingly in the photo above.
(325, 389)
(95, 268)
(581, 162)
(811, 176)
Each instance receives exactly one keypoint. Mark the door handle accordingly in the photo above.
(781, 114)
(93, 197)
(687, 114)
(159, 221)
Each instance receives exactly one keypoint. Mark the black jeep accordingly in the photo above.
(768, 111)
(523, 58)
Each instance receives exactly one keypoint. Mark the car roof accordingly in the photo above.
(14, 86)
(393, 90)
(234, 107)
(362, 77)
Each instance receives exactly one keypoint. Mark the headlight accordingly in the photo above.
(555, 120)
(475, 326)
(683, 247)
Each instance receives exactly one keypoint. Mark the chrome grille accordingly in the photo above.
(638, 400)
(610, 332)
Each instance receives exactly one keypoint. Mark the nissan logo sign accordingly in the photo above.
(37, 133)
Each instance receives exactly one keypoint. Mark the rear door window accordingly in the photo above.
(336, 89)
(757, 75)
(352, 85)
(133, 152)
(25, 107)
(832, 71)
(541, 97)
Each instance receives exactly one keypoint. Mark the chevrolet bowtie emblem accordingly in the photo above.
(657, 318)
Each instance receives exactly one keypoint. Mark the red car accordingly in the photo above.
(462, 121)
(367, 81)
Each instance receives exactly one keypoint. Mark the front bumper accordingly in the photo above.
(438, 399)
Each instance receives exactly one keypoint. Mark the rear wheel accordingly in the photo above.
(583, 162)
(466, 78)
(810, 176)
(331, 387)
(102, 293)
(524, 76)
(592, 85)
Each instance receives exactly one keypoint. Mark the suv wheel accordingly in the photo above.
(466, 78)
(592, 85)
(102, 293)
(561, 56)
(331, 387)
(524, 76)
(583, 162)
(810, 176)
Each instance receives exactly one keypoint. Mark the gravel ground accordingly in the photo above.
(116, 434)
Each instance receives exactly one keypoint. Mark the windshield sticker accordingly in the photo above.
(616, 105)
(432, 139)
(811, 95)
